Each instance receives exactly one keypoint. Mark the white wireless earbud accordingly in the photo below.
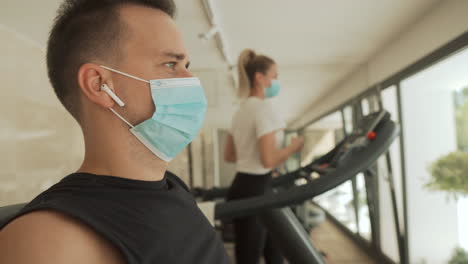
(106, 89)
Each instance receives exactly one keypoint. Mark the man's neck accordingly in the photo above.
(130, 159)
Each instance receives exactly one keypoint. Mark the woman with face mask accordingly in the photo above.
(254, 144)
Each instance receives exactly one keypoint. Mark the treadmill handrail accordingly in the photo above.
(386, 133)
(288, 178)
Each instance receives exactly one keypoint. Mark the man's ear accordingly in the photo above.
(90, 79)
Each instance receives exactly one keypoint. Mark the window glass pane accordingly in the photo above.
(365, 106)
(348, 115)
(363, 208)
(461, 117)
(339, 203)
(321, 136)
(388, 237)
(293, 162)
(432, 101)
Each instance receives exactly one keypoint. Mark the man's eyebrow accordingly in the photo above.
(177, 56)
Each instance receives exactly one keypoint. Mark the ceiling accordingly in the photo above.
(316, 43)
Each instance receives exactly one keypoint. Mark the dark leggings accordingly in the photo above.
(251, 237)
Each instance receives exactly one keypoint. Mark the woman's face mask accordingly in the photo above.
(273, 89)
(274, 86)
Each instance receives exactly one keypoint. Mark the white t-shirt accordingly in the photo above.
(254, 119)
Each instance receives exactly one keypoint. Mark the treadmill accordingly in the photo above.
(354, 154)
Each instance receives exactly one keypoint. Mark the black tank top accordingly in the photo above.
(149, 222)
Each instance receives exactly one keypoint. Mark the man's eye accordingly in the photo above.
(170, 64)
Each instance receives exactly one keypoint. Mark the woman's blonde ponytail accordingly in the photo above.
(245, 58)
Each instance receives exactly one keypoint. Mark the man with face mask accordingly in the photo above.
(120, 68)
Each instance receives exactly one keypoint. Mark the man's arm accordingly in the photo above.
(50, 237)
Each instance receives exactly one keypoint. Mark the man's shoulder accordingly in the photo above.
(48, 236)
(172, 177)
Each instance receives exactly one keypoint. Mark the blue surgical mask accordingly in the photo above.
(180, 110)
(273, 90)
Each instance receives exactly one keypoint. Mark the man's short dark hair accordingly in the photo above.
(83, 31)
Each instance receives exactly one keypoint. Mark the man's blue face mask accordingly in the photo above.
(180, 110)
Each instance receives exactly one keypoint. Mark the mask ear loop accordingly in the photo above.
(130, 76)
(123, 119)
(125, 74)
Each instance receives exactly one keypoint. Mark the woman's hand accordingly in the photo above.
(297, 143)
(270, 156)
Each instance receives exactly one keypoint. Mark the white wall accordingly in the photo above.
(220, 93)
(197, 162)
(445, 22)
(40, 142)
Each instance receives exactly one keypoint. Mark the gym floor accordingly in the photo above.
(339, 247)
(328, 238)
